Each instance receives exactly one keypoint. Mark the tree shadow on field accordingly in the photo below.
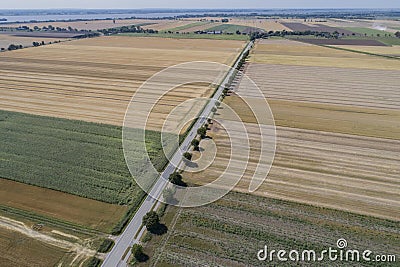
(142, 258)
(191, 164)
(159, 229)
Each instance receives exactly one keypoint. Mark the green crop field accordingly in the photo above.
(231, 231)
(80, 158)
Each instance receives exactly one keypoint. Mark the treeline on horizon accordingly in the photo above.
(369, 14)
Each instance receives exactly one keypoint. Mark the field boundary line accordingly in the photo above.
(360, 52)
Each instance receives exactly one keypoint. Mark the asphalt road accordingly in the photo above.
(120, 253)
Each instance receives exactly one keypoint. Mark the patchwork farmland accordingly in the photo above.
(66, 193)
(296, 26)
(264, 24)
(232, 230)
(62, 110)
(67, 80)
(338, 137)
(19, 250)
(335, 173)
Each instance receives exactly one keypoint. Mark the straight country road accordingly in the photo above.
(120, 253)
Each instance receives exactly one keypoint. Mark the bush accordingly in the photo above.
(147, 237)
(138, 254)
(202, 132)
(176, 179)
(12, 47)
(151, 220)
(106, 246)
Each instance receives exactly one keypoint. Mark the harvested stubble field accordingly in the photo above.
(393, 51)
(338, 136)
(264, 24)
(232, 230)
(193, 26)
(353, 173)
(86, 25)
(191, 35)
(19, 250)
(165, 25)
(292, 53)
(328, 85)
(71, 80)
(347, 119)
(342, 41)
(6, 40)
(93, 81)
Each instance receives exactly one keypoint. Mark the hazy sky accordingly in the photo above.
(28, 4)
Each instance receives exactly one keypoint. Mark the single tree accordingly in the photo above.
(397, 34)
(13, 47)
(202, 132)
(151, 220)
(138, 254)
(195, 142)
(176, 179)
(187, 155)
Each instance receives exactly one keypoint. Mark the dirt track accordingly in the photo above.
(81, 253)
